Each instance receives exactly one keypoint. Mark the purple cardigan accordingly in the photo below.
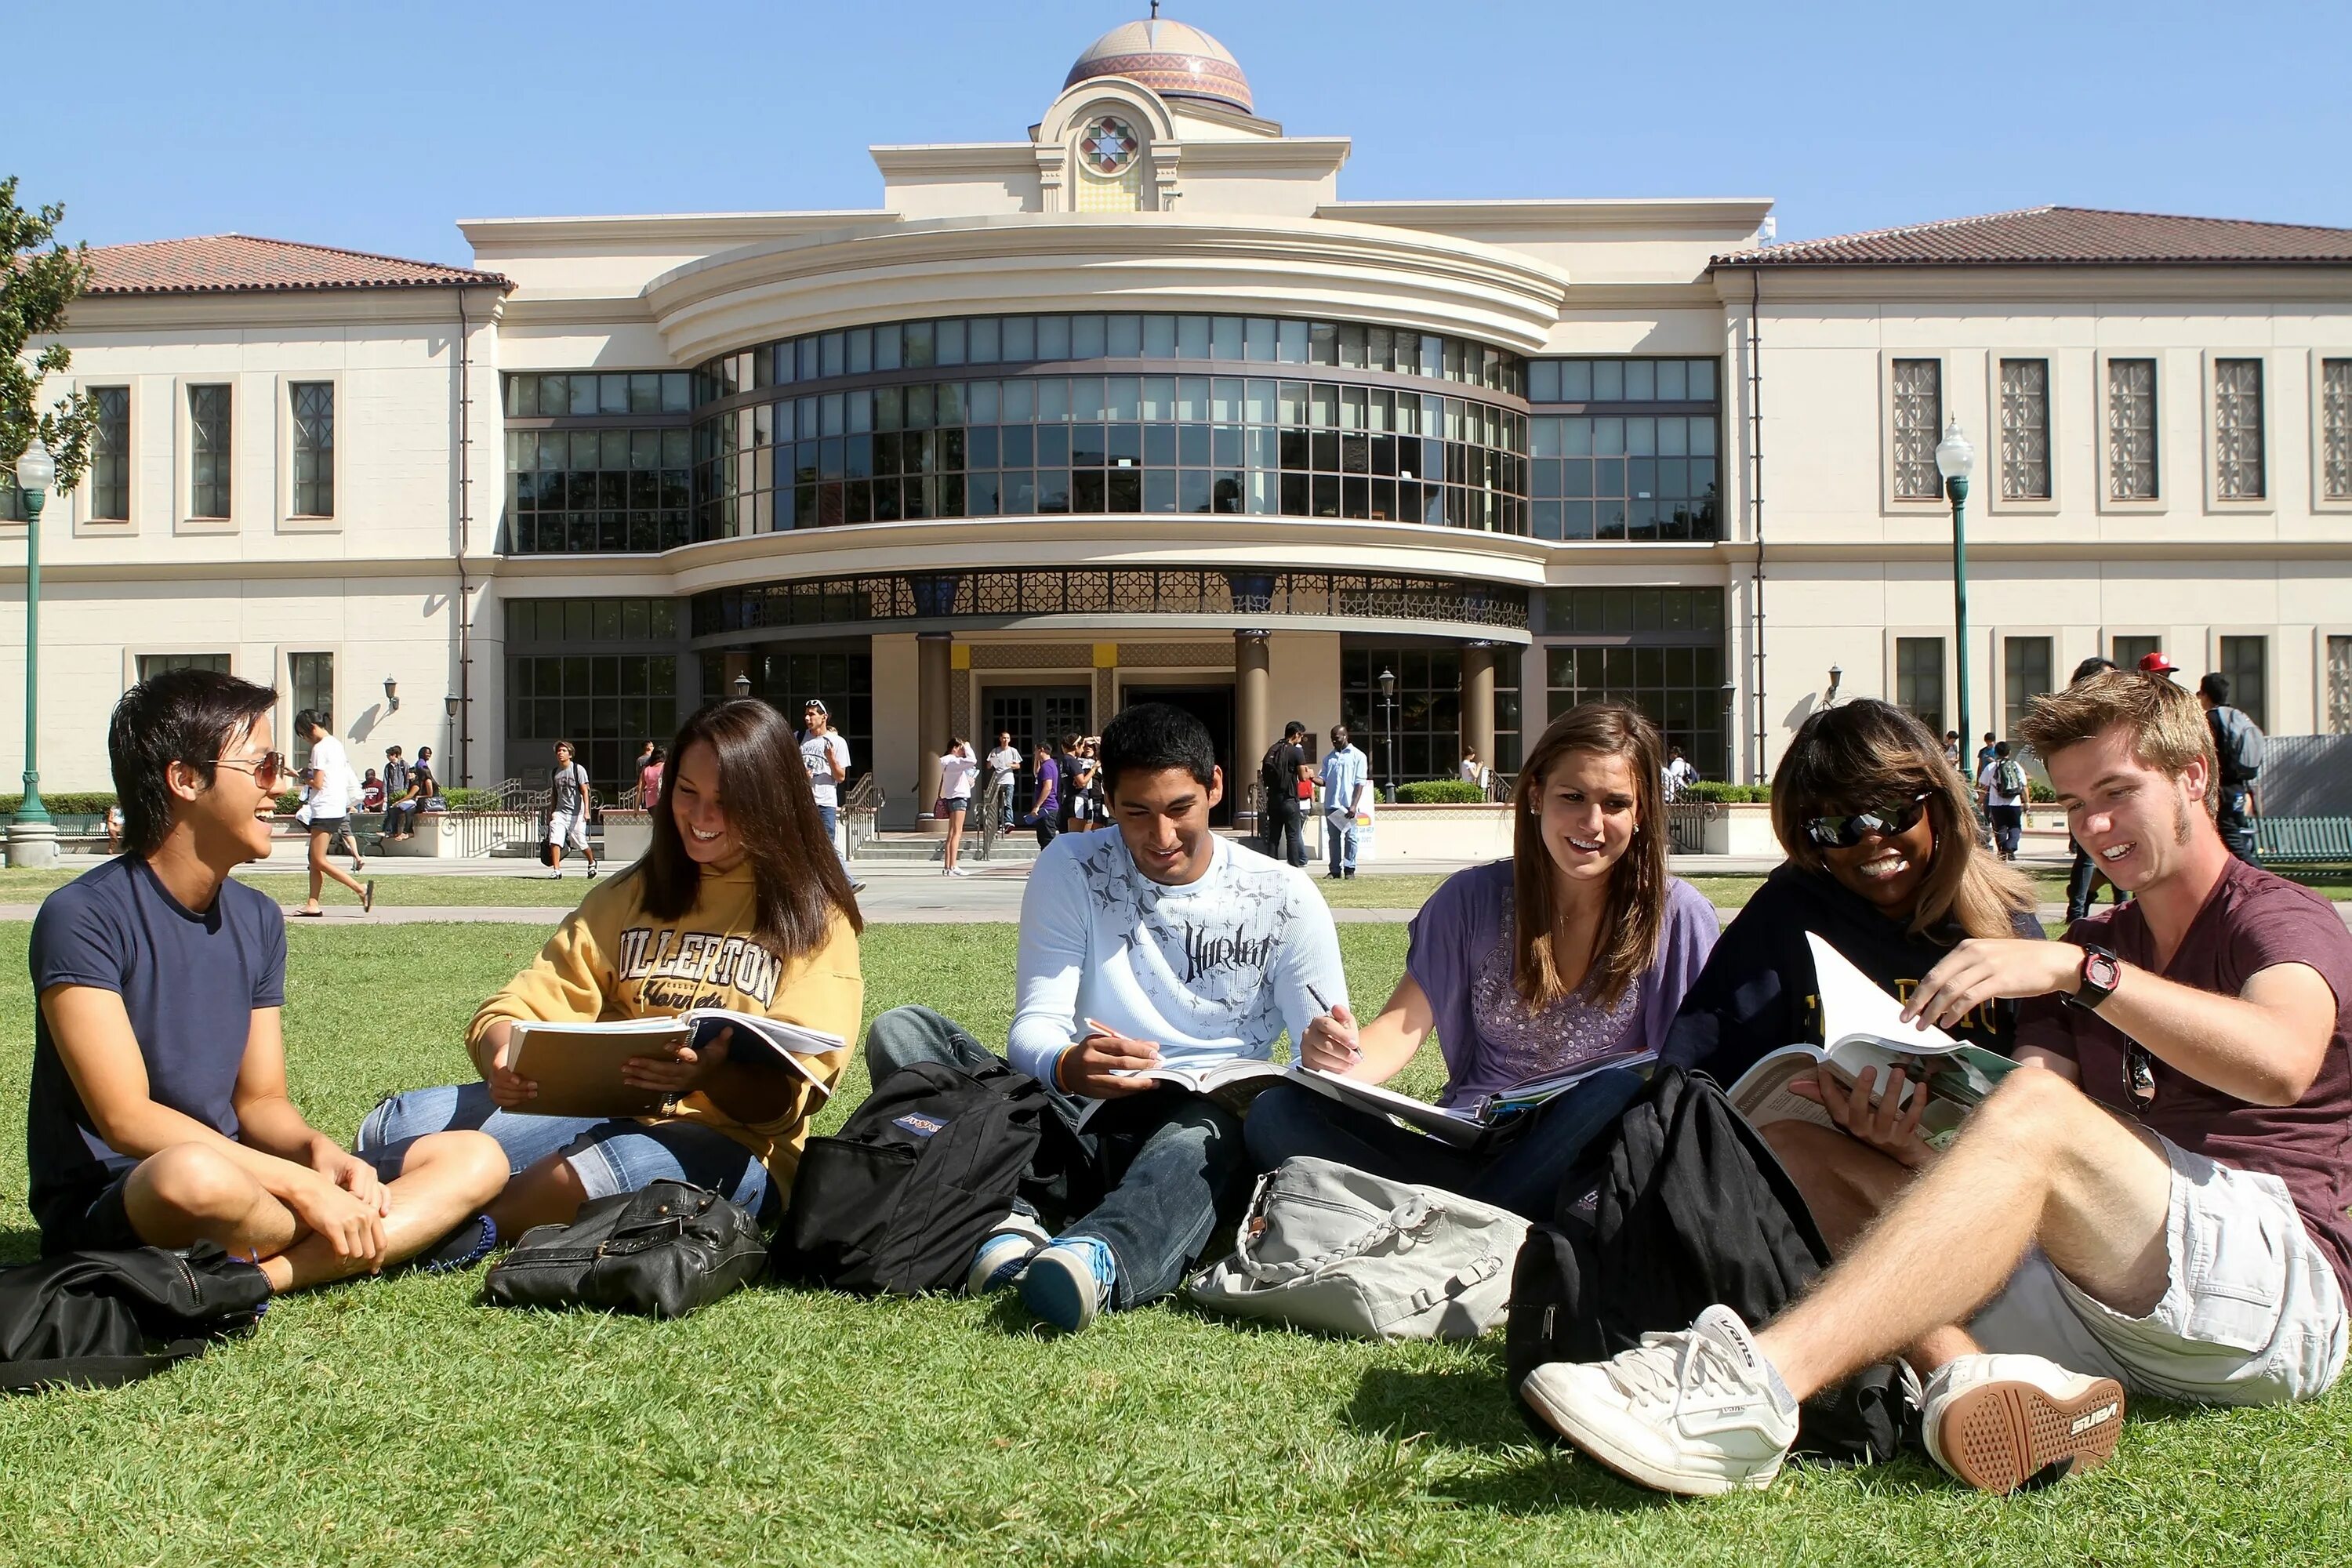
(1463, 920)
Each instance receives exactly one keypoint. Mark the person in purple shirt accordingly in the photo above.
(1578, 948)
(1043, 814)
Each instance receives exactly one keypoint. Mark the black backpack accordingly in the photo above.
(93, 1320)
(1691, 1209)
(901, 1198)
(663, 1251)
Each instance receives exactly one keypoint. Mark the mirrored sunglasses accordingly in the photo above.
(268, 770)
(1845, 832)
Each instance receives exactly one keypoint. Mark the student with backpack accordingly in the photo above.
(1578, 947)
(158, 1110)
(568, 794)
(1282, 772)
(2238, 749)
(1158, 944)
(739, 902)
(2003, 788)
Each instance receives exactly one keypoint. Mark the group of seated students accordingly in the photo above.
(2159, 1205)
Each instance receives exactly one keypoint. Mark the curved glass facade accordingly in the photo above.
(1163, 415)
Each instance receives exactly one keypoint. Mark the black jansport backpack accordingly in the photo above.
(1692, 1208)
(897, 1201)
(93, 1320)
(666, 1250)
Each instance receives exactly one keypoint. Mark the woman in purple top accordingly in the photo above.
(1578, 947)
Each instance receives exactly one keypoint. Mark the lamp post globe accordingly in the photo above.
(1956, 460)
(32, 838)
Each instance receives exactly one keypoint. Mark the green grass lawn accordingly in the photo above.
(523, 887)
(396, 1421)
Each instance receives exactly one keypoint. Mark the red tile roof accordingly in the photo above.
(241, 264)
(2065, 236)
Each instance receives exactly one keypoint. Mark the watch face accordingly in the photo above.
(2102, 969)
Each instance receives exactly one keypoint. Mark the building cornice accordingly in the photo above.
(435, 568)
(1079, 261)
(1666, 216)
(1976, 283)
(436, 306)
(633, 232)
(916, 159)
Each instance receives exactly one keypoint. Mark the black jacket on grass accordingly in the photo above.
(1757, 993)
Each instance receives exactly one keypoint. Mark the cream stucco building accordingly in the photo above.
(1135, 402)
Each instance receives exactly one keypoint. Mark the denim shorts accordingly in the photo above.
(2250, 1312)
(609, 1155)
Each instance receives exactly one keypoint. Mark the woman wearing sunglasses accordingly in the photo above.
(1882, 865)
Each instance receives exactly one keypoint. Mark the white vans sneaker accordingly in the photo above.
(2003, 1422)
(1700, 1413)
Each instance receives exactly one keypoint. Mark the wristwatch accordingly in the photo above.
(2102, 972)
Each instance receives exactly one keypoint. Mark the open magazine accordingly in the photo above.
(1864, 1029)
(578, 1065)
(1235, 1084)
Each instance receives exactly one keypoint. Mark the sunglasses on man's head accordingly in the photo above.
(1889, 817)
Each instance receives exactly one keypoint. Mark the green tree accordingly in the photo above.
(36, 287)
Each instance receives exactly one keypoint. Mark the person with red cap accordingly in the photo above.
(2156, 664)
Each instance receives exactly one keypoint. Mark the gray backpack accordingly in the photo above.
(1328, 1247)
(2238, 741)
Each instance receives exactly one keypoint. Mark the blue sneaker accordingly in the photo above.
(1070, 1283)
(1003, 1253)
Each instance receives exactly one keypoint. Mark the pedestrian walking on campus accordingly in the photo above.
(568, 795)
(1004, 768)
(1678, 774)
(1952, 748)
(1044, 812)
(2238, 750)
(957, 770)
(649, 777)
(1283, 771)
(326, 810)
(2082, 880)
(2001, 787)
(1347, 785)
(825, 755)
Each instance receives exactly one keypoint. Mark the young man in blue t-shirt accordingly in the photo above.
(159, 1111)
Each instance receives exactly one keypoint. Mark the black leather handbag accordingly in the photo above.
(662, 1252)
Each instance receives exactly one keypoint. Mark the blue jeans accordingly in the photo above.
(1521, 1173)
(616, 1155)
(1170, 1163)
(1343, 844)
(830, 816)
(2007, 823)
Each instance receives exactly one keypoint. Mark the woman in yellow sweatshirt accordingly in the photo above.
(739, 903)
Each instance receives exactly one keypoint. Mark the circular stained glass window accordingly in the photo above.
(1108, 145)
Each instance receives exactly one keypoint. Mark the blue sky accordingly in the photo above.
(377, 126)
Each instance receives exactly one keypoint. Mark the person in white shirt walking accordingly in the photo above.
(332, 787)
(1677, 774)
(1004, 770)
(568, 796)
(957, 769)
(1160, 943)
(2002, 788)
(826, 757)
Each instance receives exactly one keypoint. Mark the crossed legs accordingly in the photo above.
(2039, 1163)
(192, 1192)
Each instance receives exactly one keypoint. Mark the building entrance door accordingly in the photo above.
(1032, 713)
(1213, 707)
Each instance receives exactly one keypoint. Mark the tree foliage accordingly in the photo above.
(36, 285)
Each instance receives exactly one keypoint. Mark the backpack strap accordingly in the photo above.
(1415, 1214)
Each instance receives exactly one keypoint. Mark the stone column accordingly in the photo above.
(1253, 723)
(933, 654)
(1478, 699)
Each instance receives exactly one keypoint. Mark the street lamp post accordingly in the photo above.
(32, 836)
(1956, 458)
(1386, 679)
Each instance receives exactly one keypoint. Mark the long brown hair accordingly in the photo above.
(797, 880)
(1861, 753)
(1633, 921)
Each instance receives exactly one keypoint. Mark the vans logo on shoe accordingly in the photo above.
(921, 1126)
(2099, 1417)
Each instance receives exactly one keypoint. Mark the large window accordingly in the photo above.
(1916, 425)
(155, 663)
(309, 684)
(2246, 661)
(208, 451)
(2238, 429)
(600, 673)
(2338, 676)
(2025, 429)
(1638, 457)
(314, 448)
(606, 489)
(1660, 649)
(2335, 429)
(1415, 734)
(1508, 676)
(109, 456)
(2131, 429)
(1919, 679)
(2026, 674)
(582, 393)
(2128, 651)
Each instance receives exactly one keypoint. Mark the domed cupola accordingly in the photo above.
(1170, 58)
